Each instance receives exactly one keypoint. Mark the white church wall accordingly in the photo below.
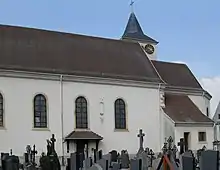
(169, 127)
(142, 106)
(194, 143)
(142, 109)
(18, 112)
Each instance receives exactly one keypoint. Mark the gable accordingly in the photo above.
(29, 49)
(175, 74)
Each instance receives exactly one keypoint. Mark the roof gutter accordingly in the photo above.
(194, 124)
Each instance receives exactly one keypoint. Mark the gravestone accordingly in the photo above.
(135, 164)
(145, 159)
(4, 157)
(187, 161)
(151, 154)
(51, 160)
(103, 163)
(141, 141)
(181, 144)
(73, 161)
(87, 163)
(12, 163)
(95, 167)
(114, 156)
(209, 160)
(124, 159)
(107, 157)
(115, 166)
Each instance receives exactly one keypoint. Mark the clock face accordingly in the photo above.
(149, 48)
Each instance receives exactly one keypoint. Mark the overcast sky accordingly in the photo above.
(187, 31)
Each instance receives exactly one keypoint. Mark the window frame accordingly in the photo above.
(40, 111)
(202, 136)
(120, 114)
(81, 113)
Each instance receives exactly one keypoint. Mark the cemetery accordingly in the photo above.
(171, 157)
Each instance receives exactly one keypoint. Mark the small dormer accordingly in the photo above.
(133, 32)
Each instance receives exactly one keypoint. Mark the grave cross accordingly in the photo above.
(181, 145)
(53, 140)
(141, 136)
(151, 153)
(33, 153)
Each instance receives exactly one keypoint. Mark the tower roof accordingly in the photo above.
(133, 31)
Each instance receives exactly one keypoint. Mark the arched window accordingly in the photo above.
(1, 111)
(81, 113)
(120, 114)
(40, 111)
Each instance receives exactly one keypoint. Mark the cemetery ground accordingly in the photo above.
(171, 157)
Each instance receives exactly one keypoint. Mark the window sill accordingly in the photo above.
(203, 142)
(121, 130)
(40, 129)
(2, 128)
(82, 129)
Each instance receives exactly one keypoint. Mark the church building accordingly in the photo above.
(96, 93)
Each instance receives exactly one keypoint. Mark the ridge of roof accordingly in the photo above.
(63, 32)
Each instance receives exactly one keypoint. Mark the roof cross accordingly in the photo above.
(132, 7)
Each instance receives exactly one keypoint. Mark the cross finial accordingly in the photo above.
(132, 5)
(141, 136)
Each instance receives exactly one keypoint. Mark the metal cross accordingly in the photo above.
(132, 7)
(33, 153)
(141, 136)
(53, 140)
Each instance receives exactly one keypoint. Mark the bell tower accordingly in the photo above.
(134, 32)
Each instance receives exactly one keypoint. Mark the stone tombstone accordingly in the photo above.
(187, 161)
(107, 157)
(87, 163)
(124, 159)
(145, 160)
(209, 160)
(81, 159)
(103, 163)
(181, 144)
(12, 163)
(114, 156)
(4, 157)
(115, 166)
(73, 161)
(95, 167)
(135, 164)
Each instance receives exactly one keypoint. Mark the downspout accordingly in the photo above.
(61, 111)
(160, 118)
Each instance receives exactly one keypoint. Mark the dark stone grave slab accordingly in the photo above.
(103, 163)
(73, 159)
(107, 157)
(188, 161)
(209, 160)
(135, 164)
(115, 166)
(124, 159)
(87, 163)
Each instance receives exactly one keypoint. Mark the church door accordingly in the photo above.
(186, 140)
(80, 150)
